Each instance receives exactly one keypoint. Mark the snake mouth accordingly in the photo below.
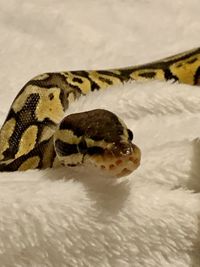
(117, 162)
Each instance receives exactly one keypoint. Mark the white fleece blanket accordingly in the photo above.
(68, 217)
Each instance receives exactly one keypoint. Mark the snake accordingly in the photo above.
(36, 133)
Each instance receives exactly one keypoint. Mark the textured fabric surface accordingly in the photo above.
(68, 217)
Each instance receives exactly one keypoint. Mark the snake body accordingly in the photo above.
(32, 135)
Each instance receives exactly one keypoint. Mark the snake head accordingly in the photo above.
(97, 137)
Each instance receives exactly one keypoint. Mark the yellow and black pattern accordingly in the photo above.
(26, 137)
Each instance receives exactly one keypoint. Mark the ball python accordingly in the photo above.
(35, 135)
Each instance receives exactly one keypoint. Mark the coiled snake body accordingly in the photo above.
(32, 135)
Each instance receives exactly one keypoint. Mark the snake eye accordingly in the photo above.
(130, 135)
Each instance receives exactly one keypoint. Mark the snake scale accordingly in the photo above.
(35, 135)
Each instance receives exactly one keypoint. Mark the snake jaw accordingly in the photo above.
(116, 162)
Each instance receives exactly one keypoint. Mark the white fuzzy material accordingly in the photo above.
(68, 217)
